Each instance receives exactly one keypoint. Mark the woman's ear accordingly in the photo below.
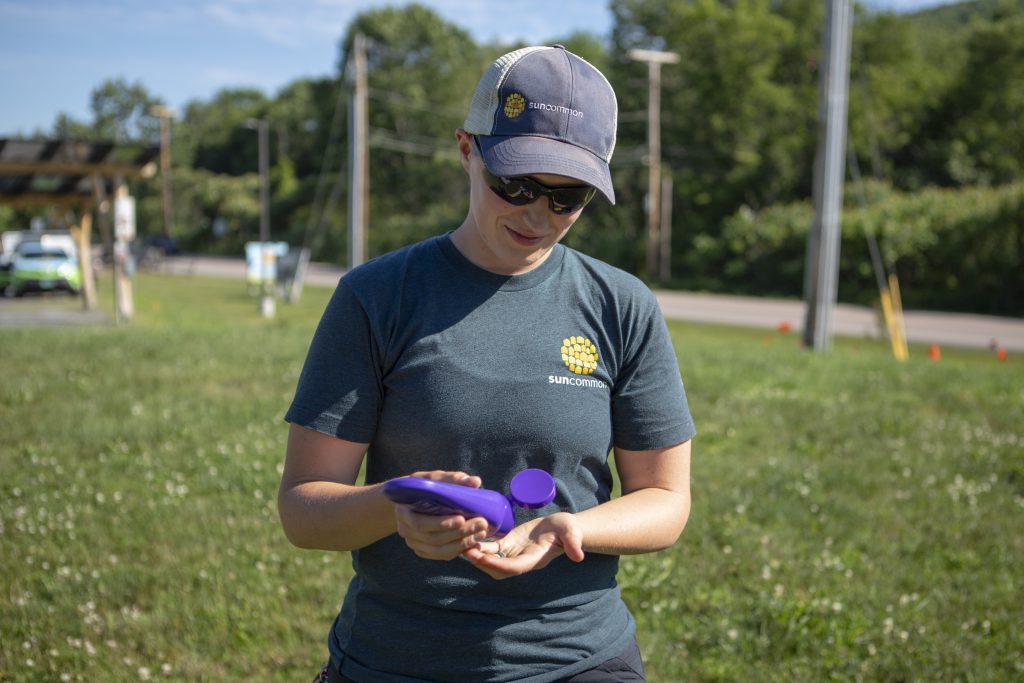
(465, 141)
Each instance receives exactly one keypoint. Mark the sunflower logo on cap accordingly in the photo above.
(514, 105)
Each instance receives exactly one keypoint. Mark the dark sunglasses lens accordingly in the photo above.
(520, 191)
(517, 190)
(570, 200)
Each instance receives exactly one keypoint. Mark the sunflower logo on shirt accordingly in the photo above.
(514, 105)
(579, 355)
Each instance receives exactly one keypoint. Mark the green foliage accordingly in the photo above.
(952, 249)
(936, 101)
(66, 127)
(987, 139)
(853, 518)
(202, 197)
(121, 112)
(738, 120)
(7, 219)
(421, 71)
(300, 116)
(957, 17)
(900, 75)
(215, 132)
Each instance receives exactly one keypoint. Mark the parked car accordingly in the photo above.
(41, 267)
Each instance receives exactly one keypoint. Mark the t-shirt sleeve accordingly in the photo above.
(340, 389)
(649, 406)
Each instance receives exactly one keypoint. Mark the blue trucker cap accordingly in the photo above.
(546, 110)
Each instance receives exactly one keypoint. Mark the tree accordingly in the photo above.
(738, 112)
(986, 140)
(421, 72)
(121, 112)
(66, 127)
(301, 115)
(216, 131)
(901, 73)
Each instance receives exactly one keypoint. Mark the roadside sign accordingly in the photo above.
(124, 218)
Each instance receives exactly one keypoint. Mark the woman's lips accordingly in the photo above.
(525, 240)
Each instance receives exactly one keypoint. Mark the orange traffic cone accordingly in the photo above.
(934, 353)
(1001, 355)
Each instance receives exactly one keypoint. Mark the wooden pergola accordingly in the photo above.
(71, 175)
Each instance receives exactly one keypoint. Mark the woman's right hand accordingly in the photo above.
(440, 538)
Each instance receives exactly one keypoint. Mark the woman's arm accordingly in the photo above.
(653, 509)
(321, 507)
(650, 515)
(318, 502)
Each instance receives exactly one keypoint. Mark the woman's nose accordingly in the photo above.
(536, 213)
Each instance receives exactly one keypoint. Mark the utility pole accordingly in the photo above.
(821, 276)
(358, 177)
(654, 61)
(665, 273)
(165, 114)
(266, 255)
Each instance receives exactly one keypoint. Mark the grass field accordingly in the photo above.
(853, 519)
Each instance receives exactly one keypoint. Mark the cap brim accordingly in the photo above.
(519, 155)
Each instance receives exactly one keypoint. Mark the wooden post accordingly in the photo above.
(124, 301)
(666, 229)
(654, 61)
(164, 114)
(83, 238)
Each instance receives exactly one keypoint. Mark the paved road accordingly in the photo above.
(30, 312)
(944, 329)
(922, 327)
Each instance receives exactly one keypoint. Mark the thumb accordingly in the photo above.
(571, 541)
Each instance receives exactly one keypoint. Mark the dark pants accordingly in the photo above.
(626, 668)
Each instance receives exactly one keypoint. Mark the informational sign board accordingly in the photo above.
(124, 218)
(261, 261)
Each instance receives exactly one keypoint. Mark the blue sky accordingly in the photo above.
(54, 52)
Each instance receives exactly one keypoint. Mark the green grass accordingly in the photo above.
(854, 518)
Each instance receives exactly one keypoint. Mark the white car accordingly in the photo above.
(40, 267)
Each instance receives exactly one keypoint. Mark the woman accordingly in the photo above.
(473, 355)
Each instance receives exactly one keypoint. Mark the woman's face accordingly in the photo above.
(501, 237)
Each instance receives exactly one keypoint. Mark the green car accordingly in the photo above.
(41, 268)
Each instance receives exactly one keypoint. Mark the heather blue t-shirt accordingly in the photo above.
(438, 364)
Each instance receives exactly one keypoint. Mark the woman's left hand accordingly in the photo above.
(529, 546)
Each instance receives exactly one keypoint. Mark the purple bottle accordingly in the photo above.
(529, 489)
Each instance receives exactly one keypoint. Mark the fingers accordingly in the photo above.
(448, 477)
(529, 547)
(438, 538)
(504, 564)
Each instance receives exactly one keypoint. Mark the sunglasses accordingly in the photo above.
(522, 190)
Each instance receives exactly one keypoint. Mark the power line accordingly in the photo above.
(427, 147)
(321, 182)
(406, 102)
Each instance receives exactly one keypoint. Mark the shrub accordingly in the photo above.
(953, 249)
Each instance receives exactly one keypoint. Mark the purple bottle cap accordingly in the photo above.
(532, 489)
